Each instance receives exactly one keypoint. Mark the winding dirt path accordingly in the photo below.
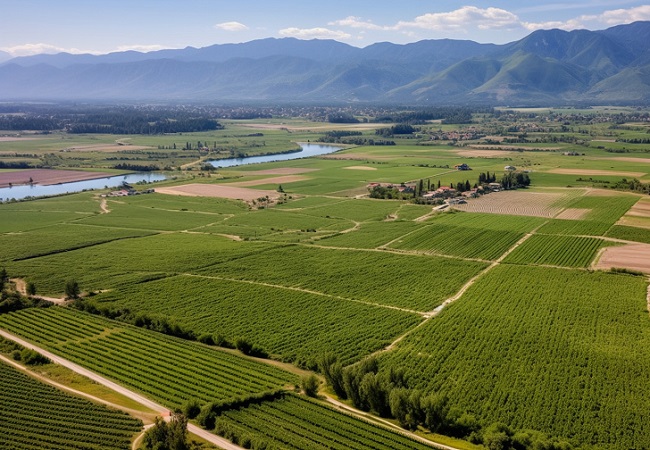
(161, 410)
(21, 287)
(103, 205)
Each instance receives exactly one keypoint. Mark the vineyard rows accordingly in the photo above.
(459, 241)
(36, 415)
(562, 351)
(567, 251)
(295, 422)
(407, 281)
(296, 325)
(164, 368)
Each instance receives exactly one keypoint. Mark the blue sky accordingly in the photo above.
(93, 26)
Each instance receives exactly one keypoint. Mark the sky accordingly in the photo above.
(102, 26)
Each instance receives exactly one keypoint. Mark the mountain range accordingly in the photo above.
(609, 66)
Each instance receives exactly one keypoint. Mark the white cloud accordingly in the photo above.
(622, 16)
(141, 48)
(463, 18)
(231, 26)
(314, 33)
(608, 18)
(36, 49)
(356, 22)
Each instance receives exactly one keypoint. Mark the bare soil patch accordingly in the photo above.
(360, 168)
(282, 171)
(272, 180)
(592, 172)
(630, 256)
(106, 148)
(573, 213)
(517, 203)
(640, 208)
(48, 176)
(217, 190)
(638, 222)
(481, 153)
(602, 193)
(19, 138)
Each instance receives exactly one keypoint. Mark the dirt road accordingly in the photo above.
(161, 410)
(21, 287)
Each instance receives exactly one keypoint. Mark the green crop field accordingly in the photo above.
(566, 251)
(131, 259)
(547, 349)
(293, 422)
(535, 337)
(36, 415)
(167, 369)
(376, 277)
(629, 233)
(58, 238)
(295, 325)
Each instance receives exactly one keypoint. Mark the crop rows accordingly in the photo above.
(630, 233)
(605, 211)
(371, 235)
(296, 325)
(459, 241)
(58, 238)
(294, 422)
(122, 262)
(567, 251)
(562, 351)
(167, 369)
(406, 281)
(36, 415)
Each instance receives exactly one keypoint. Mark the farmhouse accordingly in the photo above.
(462, 167)
(510, 168)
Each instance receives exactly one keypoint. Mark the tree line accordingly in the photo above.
(387, 394)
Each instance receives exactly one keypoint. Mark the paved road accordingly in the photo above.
(213, 438)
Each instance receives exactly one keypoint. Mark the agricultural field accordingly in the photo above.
(381, 278)
(294, 422)
(565, 251)
(293, 325)
(169, 370)
(36, 415)
(583, 381)
(506, 305)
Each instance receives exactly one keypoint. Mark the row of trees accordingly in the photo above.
(387, 394)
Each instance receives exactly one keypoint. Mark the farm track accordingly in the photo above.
(44, 379)
(161, 410)
(307, 291)
(431, 314)
(21, 287)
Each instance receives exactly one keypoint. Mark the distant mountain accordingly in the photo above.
(545, 67)
(4, 56)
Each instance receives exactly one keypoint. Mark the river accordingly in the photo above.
(307, 151)
(35, 190)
